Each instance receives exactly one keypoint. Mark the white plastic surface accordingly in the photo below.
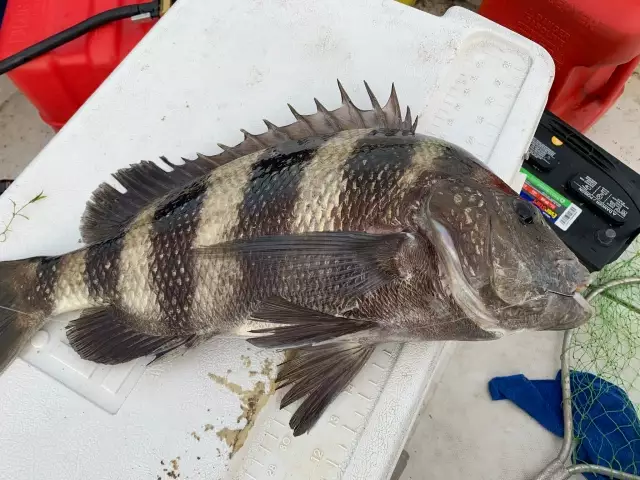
(206, 70)
(105, 385)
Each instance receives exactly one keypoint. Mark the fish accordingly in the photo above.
(329, 236)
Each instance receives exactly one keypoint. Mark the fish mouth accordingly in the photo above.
(583, 286)
(577, 292)
(573, 269)
(579, 312)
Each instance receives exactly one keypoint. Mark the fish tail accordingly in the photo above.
(19, 316)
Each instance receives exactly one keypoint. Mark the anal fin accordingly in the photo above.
(319, 373)
(346, 264)
(100, 335)
(326, 361)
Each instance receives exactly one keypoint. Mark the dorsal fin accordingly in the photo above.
(109, 212)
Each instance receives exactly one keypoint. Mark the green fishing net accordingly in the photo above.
(608, 347)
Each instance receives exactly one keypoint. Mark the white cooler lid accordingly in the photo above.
(204, 71)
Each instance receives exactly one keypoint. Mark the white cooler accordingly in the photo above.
(205, 71)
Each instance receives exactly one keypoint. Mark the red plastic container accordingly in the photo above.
(59, 82)
(595, 45)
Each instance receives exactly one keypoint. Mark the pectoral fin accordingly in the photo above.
(343, 264)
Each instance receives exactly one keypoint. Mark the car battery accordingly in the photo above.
(590, 198)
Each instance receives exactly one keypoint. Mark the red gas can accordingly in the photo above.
(595, 45)
(59, 82)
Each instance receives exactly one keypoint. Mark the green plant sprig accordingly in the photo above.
(17, 212)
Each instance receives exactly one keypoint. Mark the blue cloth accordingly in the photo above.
(605, 422)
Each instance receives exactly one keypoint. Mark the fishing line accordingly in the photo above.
(18, 311)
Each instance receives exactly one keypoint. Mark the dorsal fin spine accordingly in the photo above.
(109, 212)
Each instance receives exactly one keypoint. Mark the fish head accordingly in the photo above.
(505, 266)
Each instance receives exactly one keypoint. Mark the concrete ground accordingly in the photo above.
(22, 133)
(460, 433)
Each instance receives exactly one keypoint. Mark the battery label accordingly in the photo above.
(542, 156)
(540, 150)
(595, 193)
(554, 206)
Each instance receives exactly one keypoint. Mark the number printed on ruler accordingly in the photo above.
(485, 83)
(323, 454)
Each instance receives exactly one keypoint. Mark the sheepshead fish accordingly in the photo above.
(333, 234)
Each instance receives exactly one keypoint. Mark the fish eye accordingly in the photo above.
(525, 211)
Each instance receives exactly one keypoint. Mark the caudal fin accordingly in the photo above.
(18, 321)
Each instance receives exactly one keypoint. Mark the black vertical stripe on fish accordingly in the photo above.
(371, 172)
(102, 262)
(172, 263)
(47, 274)
(268, 205)
(271, 192)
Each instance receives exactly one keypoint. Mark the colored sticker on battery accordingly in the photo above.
(553, 205)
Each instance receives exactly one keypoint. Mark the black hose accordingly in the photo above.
(76, 31)
(3, 8)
